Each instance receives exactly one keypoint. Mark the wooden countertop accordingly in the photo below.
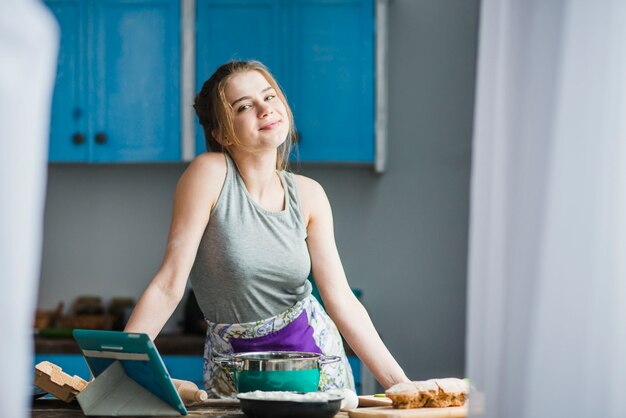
(54, 408)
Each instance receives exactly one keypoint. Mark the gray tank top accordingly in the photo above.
(251, 263)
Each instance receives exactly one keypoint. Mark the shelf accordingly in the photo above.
(172, 344)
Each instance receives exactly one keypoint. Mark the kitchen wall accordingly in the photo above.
(402, 235)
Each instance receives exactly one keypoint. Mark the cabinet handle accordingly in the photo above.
(78, 138)
(101, 138)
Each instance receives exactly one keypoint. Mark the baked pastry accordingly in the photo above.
(433, 393)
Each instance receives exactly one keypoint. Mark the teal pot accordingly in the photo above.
(276, 370)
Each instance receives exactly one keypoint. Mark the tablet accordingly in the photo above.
(138, 356)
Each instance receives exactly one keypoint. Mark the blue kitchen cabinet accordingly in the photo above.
(321, 52)
(236, 29)
(331, 83)
(357, 372)
(68, 125)
(117, 93)
(179, 366)
(241, 30)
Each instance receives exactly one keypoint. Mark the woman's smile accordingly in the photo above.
(270, 126)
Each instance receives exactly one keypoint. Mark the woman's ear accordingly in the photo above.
(216, 135)
(223, 140)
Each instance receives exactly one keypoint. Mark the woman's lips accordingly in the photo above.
(270, 126)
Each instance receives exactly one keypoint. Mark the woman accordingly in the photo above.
(248, 233)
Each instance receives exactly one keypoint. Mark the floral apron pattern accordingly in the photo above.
(303, 327)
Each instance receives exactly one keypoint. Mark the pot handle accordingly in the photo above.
(328, 359)
(229, 362)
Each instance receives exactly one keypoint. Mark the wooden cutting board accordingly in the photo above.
(389, 412)
(371, 400)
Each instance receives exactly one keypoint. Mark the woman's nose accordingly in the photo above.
(264, 109)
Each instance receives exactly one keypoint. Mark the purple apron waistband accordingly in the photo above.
(295, 336)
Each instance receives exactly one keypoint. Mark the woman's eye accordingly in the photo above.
(244, 107)
(270, 97)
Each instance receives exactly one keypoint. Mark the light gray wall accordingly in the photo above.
(402, 235)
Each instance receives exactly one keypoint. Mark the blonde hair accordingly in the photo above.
(216, 114)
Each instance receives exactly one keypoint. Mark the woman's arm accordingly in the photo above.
(343, 307)
(196, 194)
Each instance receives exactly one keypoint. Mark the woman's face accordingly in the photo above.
(260, 118)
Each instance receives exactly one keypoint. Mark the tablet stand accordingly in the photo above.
(114, 393)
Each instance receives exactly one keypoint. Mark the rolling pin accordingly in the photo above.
(189, 391)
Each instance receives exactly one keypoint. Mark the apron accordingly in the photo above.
(303, 327)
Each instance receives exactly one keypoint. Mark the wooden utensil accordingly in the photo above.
(371, 400)
(189, 391)
(389, 412)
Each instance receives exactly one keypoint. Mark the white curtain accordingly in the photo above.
(547, 265)
(28, 53)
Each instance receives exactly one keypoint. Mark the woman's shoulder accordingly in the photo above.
(209, 163)
(312, 197)
(307, 187)
(211, 160)
(206, 172)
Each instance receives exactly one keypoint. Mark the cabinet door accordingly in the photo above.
(321, 52)
(332, 79)
(135, 100)
(241, 30)
(68, 129)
